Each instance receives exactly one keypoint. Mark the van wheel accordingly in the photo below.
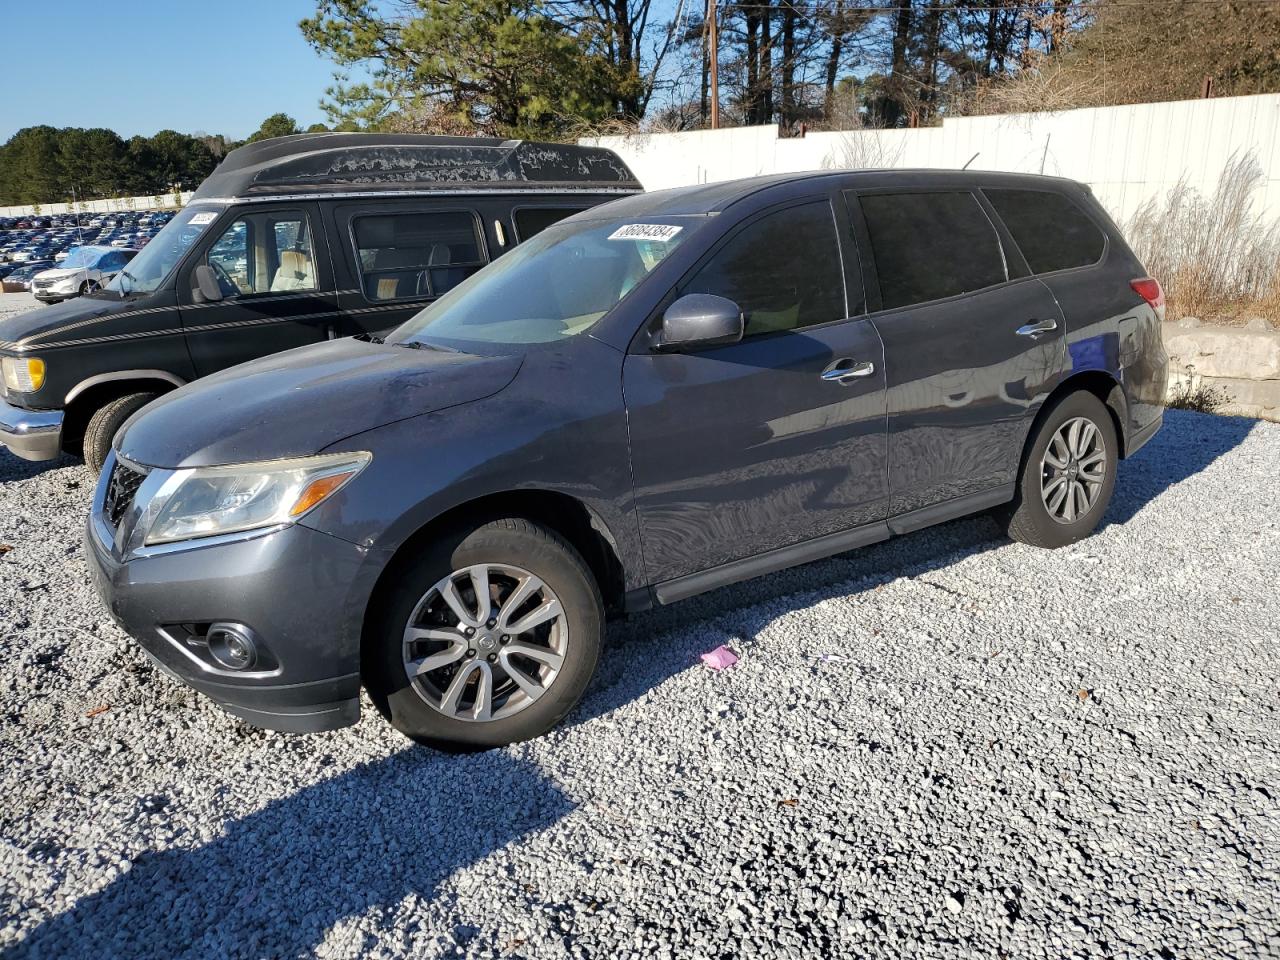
(1068, 475)
(106, 423)
(489, 637)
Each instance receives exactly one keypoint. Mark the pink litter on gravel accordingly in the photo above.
(720, 658)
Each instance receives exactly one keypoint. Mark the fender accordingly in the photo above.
(118, 375)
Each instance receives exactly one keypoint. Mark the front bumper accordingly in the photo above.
(31, 434)
(303, 594)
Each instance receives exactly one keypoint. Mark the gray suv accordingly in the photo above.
(653, 398)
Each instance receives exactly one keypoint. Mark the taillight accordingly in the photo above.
(1148, 288)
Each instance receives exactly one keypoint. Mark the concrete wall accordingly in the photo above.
(159, 201)
(1242, 362)
(1126, 154)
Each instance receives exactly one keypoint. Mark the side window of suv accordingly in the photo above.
(416, 256)
(1050, 230)
(784, 270)
(268, 252)
(928, 246)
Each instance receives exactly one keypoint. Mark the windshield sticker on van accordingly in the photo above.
(660, 232)
(205, 216)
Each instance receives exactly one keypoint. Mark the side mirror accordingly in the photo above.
(699, 320)
(207, 289)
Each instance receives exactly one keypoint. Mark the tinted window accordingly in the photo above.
(783, 270)
(1052, 232)
(416, 255)
(931, 245)
(533, 220)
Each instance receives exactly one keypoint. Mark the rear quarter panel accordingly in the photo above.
(1110, 328)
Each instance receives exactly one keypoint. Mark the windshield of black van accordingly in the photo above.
(554, 286)
(152, 266)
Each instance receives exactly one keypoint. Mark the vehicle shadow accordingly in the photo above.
(278, 879)
(1186, 444)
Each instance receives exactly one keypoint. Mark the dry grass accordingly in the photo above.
(1190, 392)
(1217, 258)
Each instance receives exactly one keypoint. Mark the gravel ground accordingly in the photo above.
(947, 745)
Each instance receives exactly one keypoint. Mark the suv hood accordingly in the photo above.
(296, 403)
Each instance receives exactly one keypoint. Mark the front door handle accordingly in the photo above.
(842, 371)
(1036, 327)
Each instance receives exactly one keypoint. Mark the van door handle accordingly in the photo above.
(1036, 327)
(842, 371)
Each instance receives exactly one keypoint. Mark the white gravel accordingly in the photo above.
(947, 745)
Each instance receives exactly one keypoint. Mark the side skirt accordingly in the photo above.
(681, 588)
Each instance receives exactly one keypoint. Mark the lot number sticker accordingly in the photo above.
(660, 232)
(206, 216)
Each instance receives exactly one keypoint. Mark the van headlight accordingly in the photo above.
(211, 501)
(23, 374)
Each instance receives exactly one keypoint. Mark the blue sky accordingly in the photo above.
(146, 65)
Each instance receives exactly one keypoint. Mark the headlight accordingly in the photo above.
(209, 501)
(23, 374)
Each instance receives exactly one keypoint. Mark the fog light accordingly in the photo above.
(233, 646)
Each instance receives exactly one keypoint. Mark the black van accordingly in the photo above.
(289, 242)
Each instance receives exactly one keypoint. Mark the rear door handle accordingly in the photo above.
(842, 371)
(1036, 327)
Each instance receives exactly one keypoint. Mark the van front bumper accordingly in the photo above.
(31, 434)
(301, 595)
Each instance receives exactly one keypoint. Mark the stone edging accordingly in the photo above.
(1243, 361)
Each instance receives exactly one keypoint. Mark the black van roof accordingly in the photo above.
(365, 162)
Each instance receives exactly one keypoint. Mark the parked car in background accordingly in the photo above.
(84, 270)
(19, 280)
(291, 241)
(651, 399)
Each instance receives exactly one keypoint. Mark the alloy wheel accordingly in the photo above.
(485, 642)
(1073, 469)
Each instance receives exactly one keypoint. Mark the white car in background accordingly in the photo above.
(84, 270)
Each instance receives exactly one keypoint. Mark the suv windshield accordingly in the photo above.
(149, 269)
(551, 287)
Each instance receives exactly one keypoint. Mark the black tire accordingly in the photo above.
(106, 422)
(84, 288)
(513, 541)
(1028, 518)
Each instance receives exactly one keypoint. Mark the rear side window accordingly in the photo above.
(416, 256)
(1050, 230)
(784, 270)
(530, 221)
(928, 246)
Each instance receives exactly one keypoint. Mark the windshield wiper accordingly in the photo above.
(421, 345)
(369, 338)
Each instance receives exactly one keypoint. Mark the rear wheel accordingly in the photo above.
(106, 423)
(1068, 475)
(487, 638)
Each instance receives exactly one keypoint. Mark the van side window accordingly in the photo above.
(530, 221)
(783, 270)
(268, 252)
(928, 246)
(1052, 232)
(416, 256)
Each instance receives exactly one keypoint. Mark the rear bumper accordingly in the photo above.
(31, 434)
(1138, 438)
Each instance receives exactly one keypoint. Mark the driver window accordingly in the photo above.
(267, 252)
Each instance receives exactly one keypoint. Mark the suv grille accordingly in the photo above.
(121, 488)
(42, 284)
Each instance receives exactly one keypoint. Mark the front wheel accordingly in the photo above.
(106, 422)
(489, 637)
(1068, 475)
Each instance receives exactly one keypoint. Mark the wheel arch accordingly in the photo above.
(567, 515)
(92, 393)
(1102, 385)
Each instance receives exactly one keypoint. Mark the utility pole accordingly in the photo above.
(713, 44)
